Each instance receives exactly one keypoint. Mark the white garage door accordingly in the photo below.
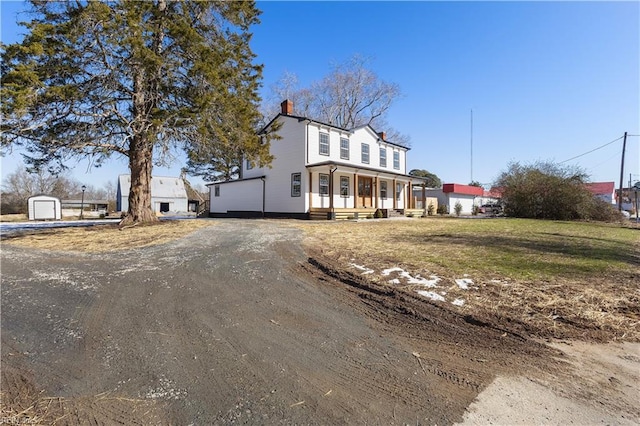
(44, 209)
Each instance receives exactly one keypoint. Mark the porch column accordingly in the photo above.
(395, 198)
(411, 195)
(377, 191)
(424, 199)
(331, 190)
(310, 190)
(355, 190)
(404, 192)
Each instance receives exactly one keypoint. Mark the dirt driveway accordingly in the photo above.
(235, 324)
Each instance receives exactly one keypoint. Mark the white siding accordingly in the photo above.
(289, 157)
(339, 201)
(241, 195)
(466, 201)
(358, 137)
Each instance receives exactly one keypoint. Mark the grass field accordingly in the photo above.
(554, 278)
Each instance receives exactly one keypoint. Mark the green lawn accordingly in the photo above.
(512, 248)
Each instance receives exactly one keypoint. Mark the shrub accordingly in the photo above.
(379, 214)
(547, 190)
(475, 210)
(458, 208)
(430, 209)
(443, 209)
(370, 216)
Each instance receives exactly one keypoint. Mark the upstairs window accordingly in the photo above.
(344, 148)
(324, 185)
(396, 160)
(383, 157)
(296, 184)
(216, 191)
(365, 153)
(324, 144)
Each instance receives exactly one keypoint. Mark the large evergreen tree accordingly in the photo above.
(138, 79)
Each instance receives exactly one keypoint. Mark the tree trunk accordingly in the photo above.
(140, 164)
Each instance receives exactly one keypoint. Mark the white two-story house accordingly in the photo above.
(319, 171)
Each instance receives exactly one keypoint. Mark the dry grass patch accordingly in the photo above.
(19, 217)
(103, 238)
(549, 279)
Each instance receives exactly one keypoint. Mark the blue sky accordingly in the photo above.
(545, 80)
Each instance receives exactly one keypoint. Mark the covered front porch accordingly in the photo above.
(338, 191)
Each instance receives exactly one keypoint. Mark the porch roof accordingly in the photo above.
(369, 170)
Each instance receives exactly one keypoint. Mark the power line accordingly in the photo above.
(595, 149)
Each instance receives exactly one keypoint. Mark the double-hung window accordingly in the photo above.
(324, 143)
(344, 148)
(216, 191)
(324, 185)
(344, 186)
(383, 157)
(398, 191)
(296, 184)
(249, 165)
(383, 190)
(365, 153)
(396, 160)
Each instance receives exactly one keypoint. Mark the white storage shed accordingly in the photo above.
(44, 207)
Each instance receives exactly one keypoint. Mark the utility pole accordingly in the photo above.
(471, 146)
(624, 146)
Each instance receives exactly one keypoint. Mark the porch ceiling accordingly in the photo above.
(362, 171)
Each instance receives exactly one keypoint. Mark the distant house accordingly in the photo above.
(603, 190)
(168, 194)
(452, 193)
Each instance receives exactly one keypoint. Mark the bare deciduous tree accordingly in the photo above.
(351, 95)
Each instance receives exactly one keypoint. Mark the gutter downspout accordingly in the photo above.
(263, 194)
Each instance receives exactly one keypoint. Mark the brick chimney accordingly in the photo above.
(287, 107)
(382, 135)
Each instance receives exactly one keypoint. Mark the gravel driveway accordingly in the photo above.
(233, 325)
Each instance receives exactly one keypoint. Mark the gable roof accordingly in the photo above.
(341, 129)
(601, 188)
(161, 186)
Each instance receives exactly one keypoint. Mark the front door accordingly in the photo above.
(365, 191)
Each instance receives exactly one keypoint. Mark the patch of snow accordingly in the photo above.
(464, 283)
(423, 281)
(390, 270)
(394, 281)
(431, 295)
(458, 302)
(411, 279)
(362, 268)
